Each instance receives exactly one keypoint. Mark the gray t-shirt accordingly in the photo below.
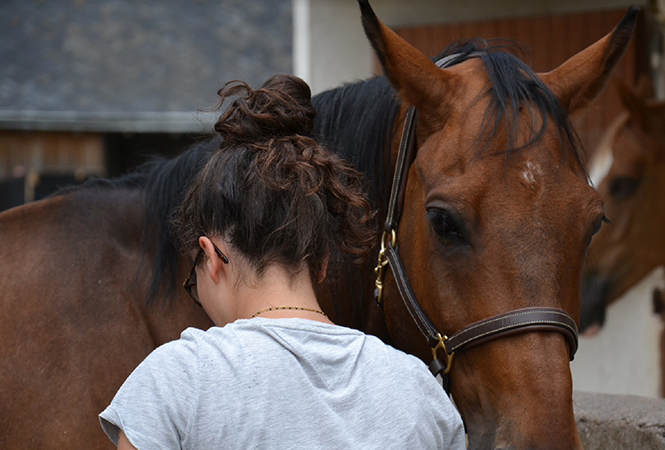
(282, 384)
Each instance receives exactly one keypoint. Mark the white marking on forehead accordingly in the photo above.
(531, 173)
(603, 158)
(600, 166)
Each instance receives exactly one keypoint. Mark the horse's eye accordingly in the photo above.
(598, 225)
(596, 228)
(623, 187)
(446, 226)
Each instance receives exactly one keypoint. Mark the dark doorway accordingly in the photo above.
(124, 152)
(12, 192)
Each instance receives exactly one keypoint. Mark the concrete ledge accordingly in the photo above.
(608, 422)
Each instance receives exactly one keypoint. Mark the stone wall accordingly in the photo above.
(608, 422)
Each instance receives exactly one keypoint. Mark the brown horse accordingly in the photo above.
(497, 214)
(73, 322)
(633, 187)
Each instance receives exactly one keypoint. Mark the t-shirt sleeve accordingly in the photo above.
(155, 404)
(447, 418)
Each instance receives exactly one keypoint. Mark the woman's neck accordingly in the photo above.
(278, 288)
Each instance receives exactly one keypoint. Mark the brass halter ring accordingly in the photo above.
(442, 345)
(381, 264)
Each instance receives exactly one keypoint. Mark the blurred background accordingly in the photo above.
(89, 87)
(94, 87)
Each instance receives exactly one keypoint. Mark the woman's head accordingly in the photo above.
(271, 192)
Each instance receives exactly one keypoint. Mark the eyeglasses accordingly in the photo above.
(190, 281)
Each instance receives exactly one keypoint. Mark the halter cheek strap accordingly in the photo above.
(518, 321)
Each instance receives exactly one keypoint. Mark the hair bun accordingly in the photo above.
(282, 106)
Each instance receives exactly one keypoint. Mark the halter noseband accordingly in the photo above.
(517, 321)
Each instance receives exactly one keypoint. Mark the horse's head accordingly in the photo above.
(634, 243)
(497, 216)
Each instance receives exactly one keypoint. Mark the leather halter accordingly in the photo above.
(517, 321)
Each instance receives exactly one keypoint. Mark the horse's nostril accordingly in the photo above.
(592, 331)
(595, 291)
(658, 302)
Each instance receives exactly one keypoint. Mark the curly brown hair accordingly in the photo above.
(271, 191)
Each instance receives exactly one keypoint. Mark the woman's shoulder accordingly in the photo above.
(269, 335)
(212, 339)
(192, 345)
(394, 355)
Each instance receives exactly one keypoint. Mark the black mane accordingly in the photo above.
(163, 183)
(356, 121)
(513, 85)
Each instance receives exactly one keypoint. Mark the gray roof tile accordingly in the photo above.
(104, 58)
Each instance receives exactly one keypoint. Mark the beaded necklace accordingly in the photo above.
(297, 308)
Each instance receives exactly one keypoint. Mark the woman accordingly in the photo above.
(265, 218)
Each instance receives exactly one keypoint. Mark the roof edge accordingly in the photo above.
(108, 122)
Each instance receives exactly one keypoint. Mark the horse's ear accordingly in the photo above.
(644, 88)
(634, 103)
(417, 80)
(646, 113)
(579, 80)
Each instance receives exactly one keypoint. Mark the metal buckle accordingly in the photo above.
(442, 345)
(379, 270)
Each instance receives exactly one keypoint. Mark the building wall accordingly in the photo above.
(397, 13)
(330, 47)
(625, 356)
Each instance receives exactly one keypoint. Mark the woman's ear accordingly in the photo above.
(213, 264)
